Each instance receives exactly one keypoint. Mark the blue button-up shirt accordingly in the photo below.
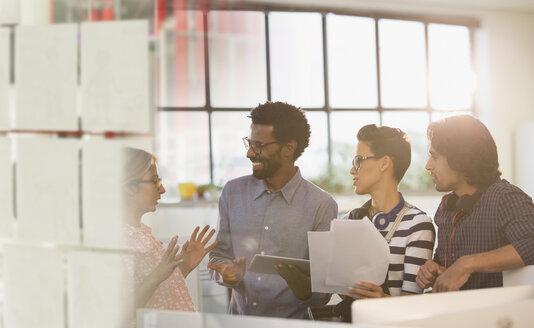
(254, 220)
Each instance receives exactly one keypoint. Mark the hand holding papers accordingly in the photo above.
(352, 251)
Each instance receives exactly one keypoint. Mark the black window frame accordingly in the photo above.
(467, 22)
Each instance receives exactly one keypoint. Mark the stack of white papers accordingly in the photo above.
(353, 250)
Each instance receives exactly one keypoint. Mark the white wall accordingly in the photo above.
(511, 96)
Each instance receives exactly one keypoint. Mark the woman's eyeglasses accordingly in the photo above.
(156, 181)
(357, 161)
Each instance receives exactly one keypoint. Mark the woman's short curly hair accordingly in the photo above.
(289, 123)
(468, 147)
(393, 142)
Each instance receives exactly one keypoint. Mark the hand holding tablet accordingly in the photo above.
(266, 264)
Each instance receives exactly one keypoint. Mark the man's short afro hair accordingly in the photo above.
(289, 123)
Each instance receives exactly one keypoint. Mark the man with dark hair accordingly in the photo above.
(485, 224)
(270, 212)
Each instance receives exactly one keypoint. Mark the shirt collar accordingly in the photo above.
(287, 191)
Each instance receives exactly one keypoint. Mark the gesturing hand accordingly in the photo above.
(231, 272)
(427, 274)
(195, 249)
(168, 262)
(298, 281)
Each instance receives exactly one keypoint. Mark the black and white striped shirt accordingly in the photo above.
(410, 247)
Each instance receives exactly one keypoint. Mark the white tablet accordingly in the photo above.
(265, 263)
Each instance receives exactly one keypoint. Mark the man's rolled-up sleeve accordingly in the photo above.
(517, 212)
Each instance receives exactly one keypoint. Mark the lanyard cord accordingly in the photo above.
(452, 235)
(443, 235)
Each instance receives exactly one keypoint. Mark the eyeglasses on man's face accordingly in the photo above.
(156, 181)
(357, 161)
(256, 146)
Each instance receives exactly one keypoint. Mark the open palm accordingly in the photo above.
(195, 249)
(231, 273)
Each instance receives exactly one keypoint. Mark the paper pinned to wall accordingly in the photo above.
(100, 289)
(48, 189)
(46, 77)
(114, 71)
(6, 189)
(9, 11)
(4, 78)
(101, 193)
(33, 280)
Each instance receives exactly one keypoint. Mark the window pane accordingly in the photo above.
(452, 82)
(436, 116)
(181, 60)
(314, 161)
(345, 127)
(69, 11)
(138, 9)
(182, 147)
(351, 62)
(296, 53)
(402, 63)
(414, 124)
(238, 69)
(229, 155)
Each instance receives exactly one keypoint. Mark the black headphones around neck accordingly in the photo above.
(464, 204)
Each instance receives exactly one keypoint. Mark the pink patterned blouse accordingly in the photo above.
(172, 294)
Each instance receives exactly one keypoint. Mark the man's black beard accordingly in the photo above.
(269, 167)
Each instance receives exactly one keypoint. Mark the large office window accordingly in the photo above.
(345, 70)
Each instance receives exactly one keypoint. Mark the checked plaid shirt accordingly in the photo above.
(502, 215)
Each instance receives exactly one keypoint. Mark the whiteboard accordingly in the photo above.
(101, 193)
(9, 11)
(47, 175)
(4, 78)
(6, 189)
(114, 76)
(33, 280)
(99, 289)
(46, 77)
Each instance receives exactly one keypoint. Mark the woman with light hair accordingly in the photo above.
(158, 273)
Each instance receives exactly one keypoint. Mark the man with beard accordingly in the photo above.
(270, 212)
(486, 224)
